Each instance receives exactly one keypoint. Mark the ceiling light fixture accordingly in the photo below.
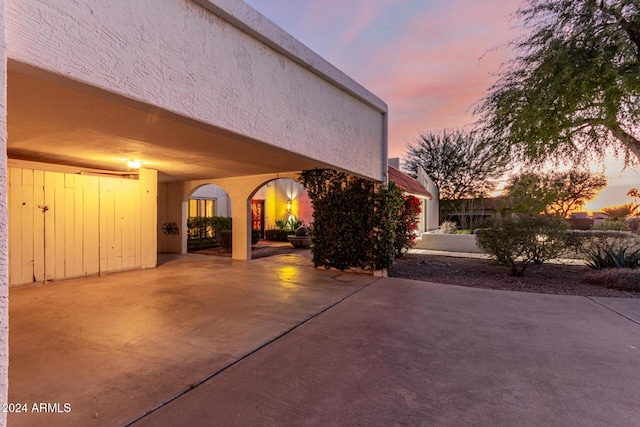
(134, 164)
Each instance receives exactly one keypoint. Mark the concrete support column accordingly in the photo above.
(4, 224)
(148, 217)
(241, 208)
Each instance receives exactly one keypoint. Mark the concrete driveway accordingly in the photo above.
(204, 341)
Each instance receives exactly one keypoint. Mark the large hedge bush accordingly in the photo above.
(355, 221)
(520, 239)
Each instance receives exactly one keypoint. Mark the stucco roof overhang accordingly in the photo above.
(78, 126)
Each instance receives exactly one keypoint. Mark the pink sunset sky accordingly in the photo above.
(429, 60)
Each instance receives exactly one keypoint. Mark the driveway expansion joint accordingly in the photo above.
(246, 355)
(616, 312)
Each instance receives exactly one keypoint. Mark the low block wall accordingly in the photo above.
(448, 242)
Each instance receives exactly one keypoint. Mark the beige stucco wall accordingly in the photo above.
(4, 223)
(218, 62)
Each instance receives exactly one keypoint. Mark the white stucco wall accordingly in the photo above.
(219, 62)
(430, 218)
(210, 191)
(4, 224)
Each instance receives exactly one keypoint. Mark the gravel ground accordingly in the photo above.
(483, 273)
(477, 273)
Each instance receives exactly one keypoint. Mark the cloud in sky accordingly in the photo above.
(429, 60)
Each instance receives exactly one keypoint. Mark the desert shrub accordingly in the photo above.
(623, 279)
(354, 220)
(612, 226)
(448, 227)
(608, 258)
(277, 235)
(520, 239)
(407, 225)
(586, 242)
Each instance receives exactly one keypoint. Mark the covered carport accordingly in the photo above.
(198, 91)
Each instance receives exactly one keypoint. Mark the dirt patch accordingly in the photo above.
(483, 273)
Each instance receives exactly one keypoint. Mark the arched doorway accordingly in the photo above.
(205, 206)
(280, 204)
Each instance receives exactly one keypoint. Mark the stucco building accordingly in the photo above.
(198, 91)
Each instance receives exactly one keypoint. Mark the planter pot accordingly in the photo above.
(300, 242)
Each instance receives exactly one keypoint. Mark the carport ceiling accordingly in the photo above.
(55, 123)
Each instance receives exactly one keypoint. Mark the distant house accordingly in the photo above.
(421, 187)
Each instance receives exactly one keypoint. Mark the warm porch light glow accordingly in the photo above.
(289, 205)
(134, 164)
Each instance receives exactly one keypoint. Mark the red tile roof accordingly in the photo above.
(408, 184)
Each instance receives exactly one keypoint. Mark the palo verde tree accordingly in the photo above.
(573, 88)
(554, 193)
(461, 165)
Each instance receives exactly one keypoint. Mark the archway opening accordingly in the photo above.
(208, 213)
(279, 207)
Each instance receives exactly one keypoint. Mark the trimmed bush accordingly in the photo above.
(226, 240)
(355, 221)
(612, 225)
(277, 235)
(520, 239)
(623, 279)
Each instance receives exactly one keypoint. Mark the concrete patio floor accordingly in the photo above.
(393, 352)
(115, 346)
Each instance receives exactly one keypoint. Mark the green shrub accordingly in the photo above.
(289, 224)
(612, 226)
(463, 231)
(226, 240)
(199, 228)
(277, 235)
(221, 223)
(354, 220)
(520, 239)
(609, 258)
(623, 279)
(586, 242)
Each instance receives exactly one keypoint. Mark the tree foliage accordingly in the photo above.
(458, 162)
(573, 88)
(621, 212)
(554, 193)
